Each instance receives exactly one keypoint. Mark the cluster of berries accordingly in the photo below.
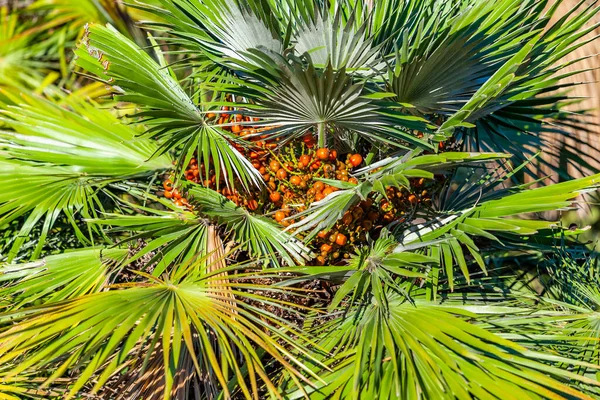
(174, 194)
(292, 177)
(367, 219)
(292, 174)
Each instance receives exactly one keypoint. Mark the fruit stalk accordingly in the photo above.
(322, 140)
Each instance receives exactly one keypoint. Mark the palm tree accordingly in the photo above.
(295, 199)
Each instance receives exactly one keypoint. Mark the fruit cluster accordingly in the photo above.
(367, 219)
(174, 194)
(292, 177)
(292, 173)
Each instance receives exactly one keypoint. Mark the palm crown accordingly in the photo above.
(291, 199)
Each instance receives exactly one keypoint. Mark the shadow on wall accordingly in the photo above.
(585, 141)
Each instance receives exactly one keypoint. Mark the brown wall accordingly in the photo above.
(587, 142)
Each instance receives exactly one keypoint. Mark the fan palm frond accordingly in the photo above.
(24, 58)
(168, 109)
(492, 218)
(178, 314)
(226, 30)
(261, 237)
(172, 235)
(58, 277)
(381, 264)
(54, 168)
(407, 351)
(328, 102)
(337, 41)
(518, 116)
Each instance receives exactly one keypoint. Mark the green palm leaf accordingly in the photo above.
(532, 93)
(382, 264)
(492, 214)
(332, 40)
(261, 237)
(171, 112)
(174, 235)
(226, 31)
(327, 102)
(406, 351)
(115, 59)
(99, 334)
(58, 277)
(55, 168)
(488, 218)
(24, 58)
